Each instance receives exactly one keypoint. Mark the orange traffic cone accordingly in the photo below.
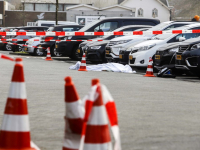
(15, 130)
(149, 72)
(48, 57)
(73, 118)
(95, 134)
(83, 64)
(6, 57)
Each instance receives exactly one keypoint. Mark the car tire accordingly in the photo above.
(75, 54)
(8, 47)
(38, 53)
(20, 48)
(53, 52)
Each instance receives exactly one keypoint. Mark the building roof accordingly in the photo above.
(165, 2)
(51, 1)
(119, 6)
(82, 5)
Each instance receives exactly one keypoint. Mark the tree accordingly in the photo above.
(56, 12)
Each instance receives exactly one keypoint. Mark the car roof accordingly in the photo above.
(138, 18)
(67, 25)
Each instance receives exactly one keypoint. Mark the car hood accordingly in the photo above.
(149, 42)
(98, 43)
(169, 46)
(126, 37)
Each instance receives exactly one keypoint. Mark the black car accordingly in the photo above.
(104, 25)
(45, 39)
(188, 56)
(14, 48)
(165, 56)
(96, 50)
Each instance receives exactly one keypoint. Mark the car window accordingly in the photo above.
(106, 26)
(185, 35)
(174, 26)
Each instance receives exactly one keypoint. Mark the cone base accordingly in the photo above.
(19, 149)
(82, 70)
(146, 75)
(48, 59)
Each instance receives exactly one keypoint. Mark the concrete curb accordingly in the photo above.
(17, 53)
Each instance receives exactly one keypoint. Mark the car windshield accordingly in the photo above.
(158, 27)
(86, 27)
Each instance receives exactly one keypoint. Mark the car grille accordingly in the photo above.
(182, 48)
(132, 61)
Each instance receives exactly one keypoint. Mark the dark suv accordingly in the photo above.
(51, 44)
(188, 56)
(105, 25)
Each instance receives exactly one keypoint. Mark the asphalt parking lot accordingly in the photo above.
(154, 113)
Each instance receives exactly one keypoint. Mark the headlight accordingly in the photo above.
(173, 50)
(196, 46)
(144, 48)
(122, 42)
(69, 37)
(30, 42)
(95, 47)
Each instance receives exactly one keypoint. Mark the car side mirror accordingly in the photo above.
(181, 39)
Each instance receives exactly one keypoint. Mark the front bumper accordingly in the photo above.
(109, 55)
(124, 57)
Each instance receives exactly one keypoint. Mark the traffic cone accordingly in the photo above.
(73, 118)
(95, 134)
(83, 64)
(48, 57)
(149, 72)
(15, 130)
(6, 57)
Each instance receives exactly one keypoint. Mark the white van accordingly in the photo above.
(51, 23)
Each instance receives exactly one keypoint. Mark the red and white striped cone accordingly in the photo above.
(95, 134)
(73, 118)
(15, 130)
(149, 72)
(83, 64)
(48, 57)
(112, 115)
(2, 56)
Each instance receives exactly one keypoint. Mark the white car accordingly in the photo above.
(123, 43)
(140, 54)
(31, 49)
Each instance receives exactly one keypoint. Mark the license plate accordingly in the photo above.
(85, 52)
(40, 46)
(178, 57)
(78, 51)
(130, 57)
(157, 57)
(107, 52)
(25, 48)
(56, 46)
(120, 56)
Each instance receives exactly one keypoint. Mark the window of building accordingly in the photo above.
(52, 7)
(140, 12)
(1, 21)
(41, 7)
(155, 13)
(29, 7)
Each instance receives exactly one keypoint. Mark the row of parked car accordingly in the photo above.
(176, 51)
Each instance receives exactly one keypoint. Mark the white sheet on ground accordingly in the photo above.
(115, 67)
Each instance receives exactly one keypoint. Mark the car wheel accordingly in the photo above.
(56, 53)
(37, 52)
(20, 48)
(75, 54)
(8, 47)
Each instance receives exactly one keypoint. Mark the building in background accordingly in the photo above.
(85, 11)
(4, 5)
